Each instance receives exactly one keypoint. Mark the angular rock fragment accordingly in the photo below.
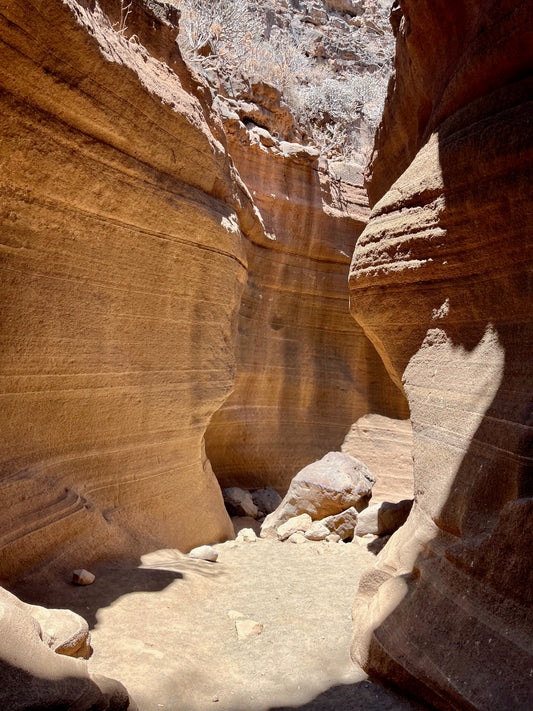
(297, 524)
(333, 484)
(239, 502)
(343, 524)
(317, 532)
(248, 628)
(246, 535)
(297, 538)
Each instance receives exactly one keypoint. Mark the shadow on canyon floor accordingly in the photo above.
(362, 696)
(113, 581)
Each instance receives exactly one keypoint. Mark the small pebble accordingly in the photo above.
(82, 577)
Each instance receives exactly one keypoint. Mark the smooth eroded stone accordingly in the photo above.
(297, 538)
(83, 577)
(207, 553)
(384, 518)
(317, 531)
(33, 674)
(239, 502)
(385, 445)
(441, 282)
(333, 484)
(121, 270)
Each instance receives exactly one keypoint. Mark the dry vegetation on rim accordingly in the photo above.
(276, 42)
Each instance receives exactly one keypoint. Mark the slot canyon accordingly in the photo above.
(200, 301)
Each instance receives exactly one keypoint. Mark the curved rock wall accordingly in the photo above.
(439, 282)
(122, 268)
(305, 370)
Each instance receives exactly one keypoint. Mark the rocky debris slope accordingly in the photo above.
(440, 283)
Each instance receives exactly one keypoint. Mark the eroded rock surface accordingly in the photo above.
(439, 282)
(122, 269)
(385, 445)
(35, 668)
(305, 371)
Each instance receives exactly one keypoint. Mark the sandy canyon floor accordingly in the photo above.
(167, 630)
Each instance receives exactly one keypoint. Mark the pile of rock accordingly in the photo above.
(327, 500)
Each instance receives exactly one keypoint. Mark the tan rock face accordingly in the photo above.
(385, 445)
(305, 373)
(439, 282)
(122, 269)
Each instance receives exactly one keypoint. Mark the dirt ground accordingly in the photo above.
(164, 631)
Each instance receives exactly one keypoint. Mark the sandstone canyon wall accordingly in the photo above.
(127, 241)
(122, 269)
(305, 371)
(440, 283)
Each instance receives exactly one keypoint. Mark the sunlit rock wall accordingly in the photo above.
(305, 370)
(122, 267)
(440, 283)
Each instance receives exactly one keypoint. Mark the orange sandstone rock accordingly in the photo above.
(439, 282)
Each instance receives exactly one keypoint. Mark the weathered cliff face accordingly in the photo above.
(305, 371)
(122, 268)
(440, 283)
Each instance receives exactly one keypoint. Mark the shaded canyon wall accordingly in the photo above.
(305, 370)
(441, 283)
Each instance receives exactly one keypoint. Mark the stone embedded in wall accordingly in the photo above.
(439, 282)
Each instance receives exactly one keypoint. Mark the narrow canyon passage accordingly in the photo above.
(164, 631)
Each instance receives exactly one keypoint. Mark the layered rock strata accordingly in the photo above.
(440, 283)
(305, 371)
(122, 268)
(385, 445)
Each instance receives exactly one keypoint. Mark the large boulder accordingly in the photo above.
(326, 487)
(239, 502)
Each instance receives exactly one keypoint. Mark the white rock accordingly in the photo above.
(204, 553)
(333, 538)
(246, 535)
(295, 524)
(248, 628)
(297, 538)
(317, 532)
(82, 577)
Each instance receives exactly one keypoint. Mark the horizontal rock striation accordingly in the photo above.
(122, 266)
(439, 281)
(305, 371)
